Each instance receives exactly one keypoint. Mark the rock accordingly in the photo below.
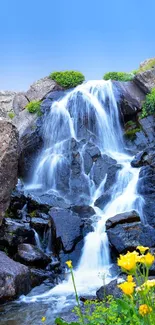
(100, 169)
(19, 102)
(145, 80)
(6, 102)
(128, 236)
(110, 289)
(39, 224)
(31, 255)
(14, 278)
(13, 233)
(39, 275)
(39, 89)
(129, 98)
(126, 217)
(9, 149)
(138, 159)
(66, 229)
(148, 126)
(73, 256)
(102, 201)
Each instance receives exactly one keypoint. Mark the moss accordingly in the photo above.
(34, 107)
(130, 123)
(131, 133)
(11, 115)
(33, 214)
(148, 107)
(68, 79)
(119, 76)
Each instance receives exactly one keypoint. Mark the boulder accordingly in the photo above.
(128, 236)
(129, 98)
(9, 150)
(148, 126)
(101, 168)
(66, 228)
(39, 89)
(126, 217)
(19, 102)
(13, 233)
(111, 289)
(14, 278)
(32, 256)
(145, 80)
(102, 201)
(138, 159)
(6, 102)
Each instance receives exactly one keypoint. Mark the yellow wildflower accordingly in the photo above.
(147, 259)
(127, 287)
(43, 319)
(144, 309)
(130, 278)
(128, 261)
(142, 249)
(69, 264)
(149, 283)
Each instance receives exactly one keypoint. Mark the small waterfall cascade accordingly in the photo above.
(88, 112)
(37, 239)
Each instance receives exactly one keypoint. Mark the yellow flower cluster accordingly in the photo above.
(144, 310)
(127, 287)
(128, 262)
(147, 285)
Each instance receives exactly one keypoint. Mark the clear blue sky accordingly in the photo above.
(39, 36)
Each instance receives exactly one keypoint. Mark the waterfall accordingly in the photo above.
(37, 239)
(89, 111)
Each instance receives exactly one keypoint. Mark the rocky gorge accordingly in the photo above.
(46, 216)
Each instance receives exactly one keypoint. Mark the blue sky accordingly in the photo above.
(41, 36)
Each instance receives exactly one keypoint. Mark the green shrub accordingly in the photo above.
(34, 107)
(68, 79)
(148, 107)
(119, 76)
(11, 115)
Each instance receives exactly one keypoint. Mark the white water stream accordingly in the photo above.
(100, 110)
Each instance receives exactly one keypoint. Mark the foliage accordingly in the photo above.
(130, 123)
(11, 115)
(137, 305)
(68, 79)
(119, 76)
(131, 133)
(148, 107)
(34, 107)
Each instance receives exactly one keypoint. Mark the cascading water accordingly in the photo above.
(89, 111)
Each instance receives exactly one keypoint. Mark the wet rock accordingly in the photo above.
(31, 255)
(13, 233)
(9, 149)
(109, 289)
(91, 153)
(111, 176)
(102, 201)
(85, 212)
(14, 278)
(73, 256)
(128, 236)
(39, 275)
(39, 224)
(148, 126)
(138, 159)
(129, 97)
(126, 217)
(66, 227)
(101, 168)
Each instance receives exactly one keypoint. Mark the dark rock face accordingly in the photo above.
(101, 168)
(14, 278)
(109, 289)
(130, 98)
(9, 149)
(145, 80)
(31, 255)
(67, 228)
(126, 217)
(128, 236)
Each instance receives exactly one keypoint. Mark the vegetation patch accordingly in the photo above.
(11, 115)
(131, 133)
(150, 64)
(68, 79)
(119, 76)
(136, 306)
(34, 107)
(148, 107)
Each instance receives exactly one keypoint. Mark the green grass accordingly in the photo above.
(11, 115)
(119, 76)
(34, 107)
(68, 79)
(148, 107)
